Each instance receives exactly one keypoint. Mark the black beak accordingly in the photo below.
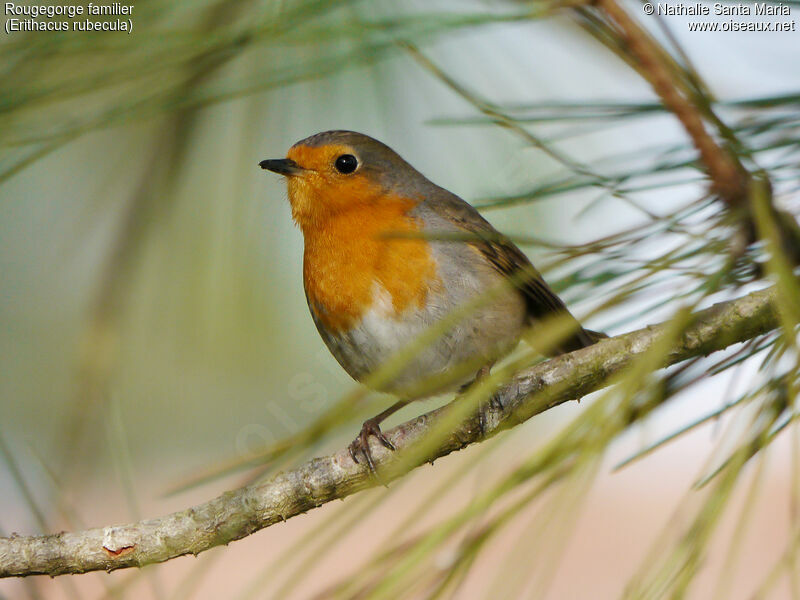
(283, 166)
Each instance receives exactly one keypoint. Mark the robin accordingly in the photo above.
(379, 269)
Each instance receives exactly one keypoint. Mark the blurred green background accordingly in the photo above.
(158, 223)
(151, 306)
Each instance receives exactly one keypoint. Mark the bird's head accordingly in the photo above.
(337, 171)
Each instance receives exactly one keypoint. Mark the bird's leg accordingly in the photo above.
(482, 372)
(372, 427)
(493, 402)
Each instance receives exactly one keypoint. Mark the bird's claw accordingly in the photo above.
(360, 445)
(494, 404)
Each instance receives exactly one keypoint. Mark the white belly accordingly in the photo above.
(420, 354)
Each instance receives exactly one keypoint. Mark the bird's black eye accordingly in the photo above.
(346, 163)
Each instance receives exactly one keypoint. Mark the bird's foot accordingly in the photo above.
(481, 374)
(360, 445)
(493, 404)
(496, 402)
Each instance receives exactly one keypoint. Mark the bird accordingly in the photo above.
(388, 254)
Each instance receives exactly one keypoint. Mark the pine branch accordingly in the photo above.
(238, 513)
(728, 176)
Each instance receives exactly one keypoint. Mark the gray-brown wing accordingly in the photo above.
(503, 255)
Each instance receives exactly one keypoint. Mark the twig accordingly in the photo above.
(239, 513)
(729, 178)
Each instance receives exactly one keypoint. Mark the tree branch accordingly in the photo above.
(238, 513)
(728, 176)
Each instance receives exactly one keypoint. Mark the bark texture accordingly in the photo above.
(238, 513)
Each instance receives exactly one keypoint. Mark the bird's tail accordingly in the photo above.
(581, 339)
(594, 336)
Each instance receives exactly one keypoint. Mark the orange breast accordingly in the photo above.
(348, 253)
